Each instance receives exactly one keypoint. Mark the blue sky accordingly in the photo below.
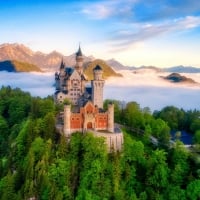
(134, 32)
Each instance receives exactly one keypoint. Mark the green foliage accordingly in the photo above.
(179, 161)
(4, 130)
(117, 109)
(173, 116)
(197, 137)
(37, 162)
(193, 190)
(195, 125)
(134, 116)
(41, 107)
(14, 105)
(7, 188)
(178, 119)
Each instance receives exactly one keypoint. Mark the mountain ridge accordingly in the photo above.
(51, 61)
(46, 62)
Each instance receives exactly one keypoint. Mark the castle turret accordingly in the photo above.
(57, 80)
(111, 117)
(97, 87)
(79, 61)
(67, 115)
(62, 67)
(62, 75)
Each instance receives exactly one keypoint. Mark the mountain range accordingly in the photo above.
(51, 61)
(46, 62)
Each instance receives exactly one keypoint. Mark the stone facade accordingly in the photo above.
(86, 111)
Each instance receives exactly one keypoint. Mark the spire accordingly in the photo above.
(79, 52)
(79, 60)
(97, 68)
(62, 65)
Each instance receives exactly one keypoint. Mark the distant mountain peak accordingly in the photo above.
(182, 69)
(116, 65)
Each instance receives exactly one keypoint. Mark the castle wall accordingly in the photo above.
(111, 117)
(76, 121)
(114, 141)
(67, 116)
(101, 121)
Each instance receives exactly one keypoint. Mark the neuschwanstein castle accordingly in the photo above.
(86, 111)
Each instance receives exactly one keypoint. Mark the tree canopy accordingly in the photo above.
(38, 162)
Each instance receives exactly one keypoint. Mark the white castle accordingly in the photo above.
(86, 111)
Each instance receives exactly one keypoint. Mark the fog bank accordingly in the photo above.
(146, 88)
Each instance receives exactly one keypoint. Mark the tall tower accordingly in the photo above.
(79, 60)
(97, 87)
(111, 117)
(62, 68)
(67, 116)
(62, 74)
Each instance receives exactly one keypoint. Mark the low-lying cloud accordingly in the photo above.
(38, 84)
(146, 88)
(150, 90)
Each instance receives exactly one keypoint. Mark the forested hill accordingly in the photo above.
(107, 70)
(37, 162)
(18, 66)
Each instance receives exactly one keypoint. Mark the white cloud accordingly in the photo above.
(38, 84)
(149, 90)
(139, 32)
(146, 88)
(109, 8)
(98, 11)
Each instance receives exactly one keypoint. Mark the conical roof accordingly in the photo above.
(97, 68)
(79, 52)
(62, 65)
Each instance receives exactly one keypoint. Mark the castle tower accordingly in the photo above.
(62, 67)
(62, 74)
(79, 61)
(97, 87)
(57, 80)
(67, 114)
(111, 117)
